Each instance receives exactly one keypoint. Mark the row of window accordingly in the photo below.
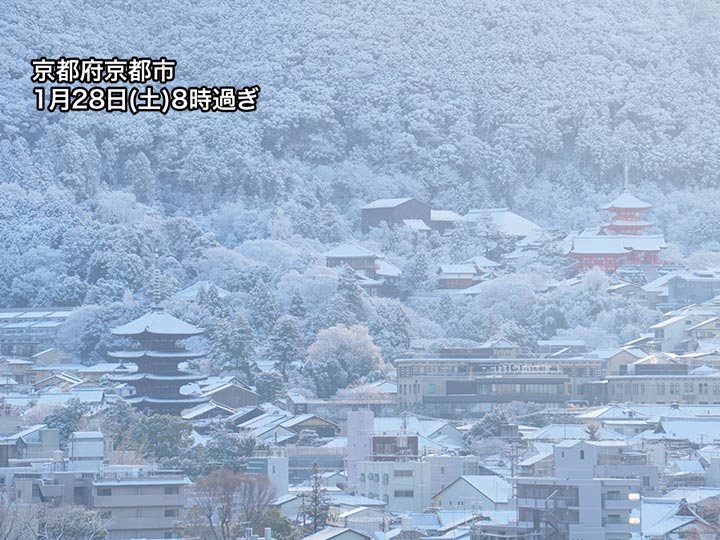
(673, 389)
(375, 477)
(168, 513)
(107, 491)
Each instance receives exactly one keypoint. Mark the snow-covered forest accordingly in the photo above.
(533, 106)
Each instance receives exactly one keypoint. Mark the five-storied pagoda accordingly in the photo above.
(158, 379)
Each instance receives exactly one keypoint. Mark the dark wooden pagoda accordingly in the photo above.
(158, 379)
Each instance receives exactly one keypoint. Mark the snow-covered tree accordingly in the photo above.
(340, 356)
(285, 345)
(263, 308)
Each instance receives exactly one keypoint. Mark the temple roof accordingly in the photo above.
(615, 244)
(179, 376)
(134, 355)
(157, 322)
(349, 250)
(627, 200)
(134, 400)
(627, 223)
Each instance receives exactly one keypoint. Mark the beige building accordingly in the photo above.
(477, 385)
(147, 507)
(131, 503)
(701, 386)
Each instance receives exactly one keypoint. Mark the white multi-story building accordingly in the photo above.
(404, 486)
(576, 504)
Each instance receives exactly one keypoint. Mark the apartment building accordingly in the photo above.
(27, 331)
(403, 485)
(576, 503)
(384, 461)
(143, 507)
(132, 503)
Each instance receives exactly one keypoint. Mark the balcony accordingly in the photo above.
(550, 504)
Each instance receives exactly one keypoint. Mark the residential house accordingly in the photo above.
(693, 287)
(476, 494)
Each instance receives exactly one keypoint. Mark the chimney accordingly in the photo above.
(248, 532)
(268, 533)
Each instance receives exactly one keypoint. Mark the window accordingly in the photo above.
(582, 454)
(403, 474)
(404, 494)
(104, 492)
(172, 512)
(106, 514)
(172, 490)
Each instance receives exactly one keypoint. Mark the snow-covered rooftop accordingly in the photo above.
(615, 244)
(348, 250)
(464, 268)
(444, 215)
(189, 294)
(416, 225)
(386, 203)
(157, 322)
(627, 200)
(386, 269)
(507, 222)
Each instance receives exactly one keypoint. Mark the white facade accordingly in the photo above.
(404, 486)
(476, 494)
(575, 501)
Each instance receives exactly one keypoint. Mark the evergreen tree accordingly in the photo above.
(297, 305)
(285, 345)
(315, 505)
(445, 309)
(415, 273)
(234, 343)
(67, 419)
(338, 312)
(263, 307)
(460, 243)
(390, 330)
(352, 294)
(209, 298)
(330, 225)
(269, 386)
(228, 450)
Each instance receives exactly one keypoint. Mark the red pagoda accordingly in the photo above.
(620, 242)
(158, 379)
(627, 216)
